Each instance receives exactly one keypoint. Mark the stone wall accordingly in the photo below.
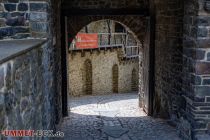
(27, 91)
(169, 101)
(168, 57)
(24, 19)
(102, 64)
(197, 66)
(90, 4)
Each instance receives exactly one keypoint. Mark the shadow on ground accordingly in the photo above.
(113, 117)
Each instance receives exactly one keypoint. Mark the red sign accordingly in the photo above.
(86, 41)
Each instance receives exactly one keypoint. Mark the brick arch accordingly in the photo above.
(99, 4)
(115, 77)
(88, 76)
(136, 25)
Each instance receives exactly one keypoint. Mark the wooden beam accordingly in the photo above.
(103, 12)
(64, 68)
(152, 57)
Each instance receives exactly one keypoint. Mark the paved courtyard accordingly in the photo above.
(113, 117)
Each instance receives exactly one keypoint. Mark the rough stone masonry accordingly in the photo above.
(182, 68)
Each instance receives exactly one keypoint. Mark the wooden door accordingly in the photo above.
(146, 60)
(88, 77)
(115, 76)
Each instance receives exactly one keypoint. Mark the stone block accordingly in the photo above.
(202, 21)
(201, 124)
(2, 23)
(202, 137)
(39, 7)
(202, 68)
(2, 14)
(39, 26)
(17, 21)
(202, 91)
(202, 32)
(22, 7)
(9, 102)
(38, 16)
(10, 7)
(207, 99)
(16, 14)
(206, 81)
(208, 56)
(196, 54)
(196, 80)
(20, 29)
(13, 1)
(21, 35)
(7, 31)
(203, 43)
(199, 99)
(207, 6)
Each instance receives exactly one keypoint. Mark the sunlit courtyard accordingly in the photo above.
(113, 117)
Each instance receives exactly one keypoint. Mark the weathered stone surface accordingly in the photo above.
(13, 1)
(17, 21)
(195, 54)
(1, 103)
(207, 5)
(9, 102)
(38, 16)
(39, 7)
(21, 35)
(204, 136)
(202, 32)
(202, 21)
(102, 76)
(22, 6)
(20, 29)
(7, 31)
(202, 68)
(196, 80)
(25, 81)
(23, 102)
(10, 7)
(206, 81)
(208, 56)
(2, 22)
(16, 14)
(8, 77)
(1, 77)
(10, 31)
(39, 27)
(1, 7)
(115, 131)
(202, 91)
(2, 111)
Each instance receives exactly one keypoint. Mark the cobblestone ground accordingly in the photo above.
(113, 117)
